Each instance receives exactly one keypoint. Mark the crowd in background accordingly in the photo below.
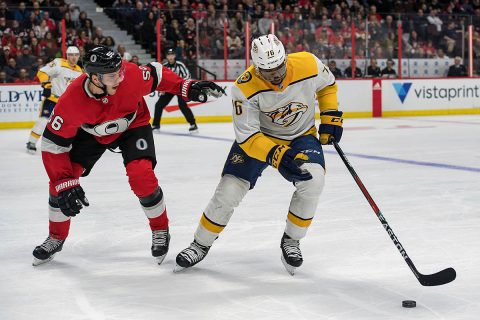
(30, 31)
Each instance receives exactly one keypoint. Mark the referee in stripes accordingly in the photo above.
(180, 69)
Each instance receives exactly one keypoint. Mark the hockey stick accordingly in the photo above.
(435, 279)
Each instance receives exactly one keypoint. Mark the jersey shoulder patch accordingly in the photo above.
(304, 66)
(250, 84)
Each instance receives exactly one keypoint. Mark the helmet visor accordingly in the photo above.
(113, 79)
(276, 75)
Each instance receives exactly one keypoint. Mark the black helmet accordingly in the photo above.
(101, 60)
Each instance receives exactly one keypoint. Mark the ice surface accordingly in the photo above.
(423, 172)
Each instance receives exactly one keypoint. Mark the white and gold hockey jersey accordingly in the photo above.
(60, 74)
(265, 115)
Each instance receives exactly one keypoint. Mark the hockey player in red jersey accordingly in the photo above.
(104, 109)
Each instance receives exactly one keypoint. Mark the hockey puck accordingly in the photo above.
(409, 303)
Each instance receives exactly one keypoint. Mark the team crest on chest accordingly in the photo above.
(287, 115)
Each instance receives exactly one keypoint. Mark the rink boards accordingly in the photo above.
(20, 104)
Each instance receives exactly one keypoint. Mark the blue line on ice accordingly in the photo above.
(358, 155)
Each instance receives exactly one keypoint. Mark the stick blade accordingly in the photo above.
(439, 278)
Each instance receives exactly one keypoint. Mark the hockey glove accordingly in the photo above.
(47, 89)
(71, 197)
(331, 126)
(288, 163)
(198, 90)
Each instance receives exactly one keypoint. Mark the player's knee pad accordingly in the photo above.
(141, 177)
(311, 188)
(230, 191)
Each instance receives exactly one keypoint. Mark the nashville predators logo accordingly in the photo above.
(237, 158)
(244, 78)
(287, 115)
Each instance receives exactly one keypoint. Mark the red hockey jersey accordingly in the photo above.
(106, 118)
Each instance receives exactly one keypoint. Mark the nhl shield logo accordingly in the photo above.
(105, 100)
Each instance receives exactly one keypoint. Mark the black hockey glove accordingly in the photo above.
(71, 197)
(331, 126)
(288, 163)
(198, 90)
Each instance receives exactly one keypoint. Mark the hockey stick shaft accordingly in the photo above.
(442, 277)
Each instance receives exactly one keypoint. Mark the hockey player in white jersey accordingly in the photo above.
(274, 122)
(55, 78)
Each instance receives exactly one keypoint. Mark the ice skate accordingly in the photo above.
(190, 256)
(291, 254)
(160, 243)
(47, 250)
(193, 129)
(31, 148)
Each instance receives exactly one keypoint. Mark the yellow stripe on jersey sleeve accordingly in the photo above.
(42, 76)
(327, 98)
(257, 146)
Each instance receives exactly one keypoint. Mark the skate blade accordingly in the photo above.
(160, 259)
(31, 151)
(194, 132)
(178, 268)
(290, 269)
(37, 262)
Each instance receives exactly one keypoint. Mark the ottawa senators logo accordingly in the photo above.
(287, 115)
(244, 78)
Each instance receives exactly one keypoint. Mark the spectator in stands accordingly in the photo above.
(148, 31)
(135, 60)
(41, 29)
(11, 70)
(109, 42)
(82, 18)
(420, 24)
(265, 23)
(99, 35)
(50, 22)
(37, 12)
(3, 24)
(4, 12)
(458, 69)
(450, 37)
(389, 71)
(138, 16)
(373, 70)
(23, 76)
(89, 29)
(173, 31)
(21, 14)
(3, 77)
(332, 65)
(435, 25)
(348, 72)
(235, 48)
(441, 54)
(189, 32)
(25, 59)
